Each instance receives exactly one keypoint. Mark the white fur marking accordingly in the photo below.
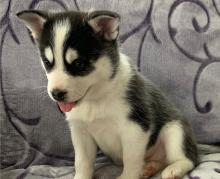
(61, 29)
(57, 78)
(173, 136)
(49, 54)
(71, 55)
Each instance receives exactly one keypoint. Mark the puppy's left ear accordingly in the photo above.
(105, 24)
(34, 20)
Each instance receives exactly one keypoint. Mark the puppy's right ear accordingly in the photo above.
(105, 24)
(34, 20)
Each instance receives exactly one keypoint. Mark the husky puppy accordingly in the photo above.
(107, 102)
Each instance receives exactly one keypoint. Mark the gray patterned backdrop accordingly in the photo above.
(175, 43)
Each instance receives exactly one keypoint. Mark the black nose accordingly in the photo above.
(58, 94)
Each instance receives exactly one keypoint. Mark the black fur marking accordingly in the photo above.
(139, 105)
(148, 105)
(89, 46)
(151, 110)
(162, 113)
(190, 147)
(46, 40)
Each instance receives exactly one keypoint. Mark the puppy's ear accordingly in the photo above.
(34, 20)
(105, 24)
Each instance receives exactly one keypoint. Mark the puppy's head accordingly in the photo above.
(78, 50)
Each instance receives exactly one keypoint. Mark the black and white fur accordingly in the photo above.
(116, 108)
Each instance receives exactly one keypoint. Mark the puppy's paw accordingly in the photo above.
(177, 170)
(148, 172)
(151, 168)
(172, 172)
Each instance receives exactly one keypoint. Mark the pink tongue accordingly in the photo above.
(66, 107)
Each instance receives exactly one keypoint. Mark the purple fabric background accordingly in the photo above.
(176, 44)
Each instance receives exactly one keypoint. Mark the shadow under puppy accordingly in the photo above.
(107, 102)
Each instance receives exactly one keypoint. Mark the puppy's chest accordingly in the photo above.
(105, 123)
(106, 133)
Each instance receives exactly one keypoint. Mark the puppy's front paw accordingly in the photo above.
(151, 168)
(171, 172)
(177, 170)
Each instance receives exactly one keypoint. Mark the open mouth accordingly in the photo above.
(68, 106)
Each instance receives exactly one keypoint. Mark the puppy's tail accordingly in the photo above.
(204, 149)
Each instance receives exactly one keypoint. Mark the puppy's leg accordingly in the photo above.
(151, 168)
(134, 145)
(173, 136)
(154, 160)
(85, 151)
